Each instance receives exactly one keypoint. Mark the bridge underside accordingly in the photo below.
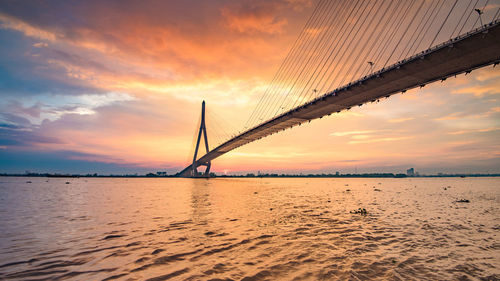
(465, 53)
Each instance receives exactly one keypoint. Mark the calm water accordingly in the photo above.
(249, 229)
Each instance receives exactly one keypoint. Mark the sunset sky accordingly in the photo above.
(117, 86)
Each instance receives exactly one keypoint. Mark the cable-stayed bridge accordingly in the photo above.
(353, 52)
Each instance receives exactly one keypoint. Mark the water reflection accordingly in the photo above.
(200, 201)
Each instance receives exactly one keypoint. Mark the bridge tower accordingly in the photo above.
(203, 129)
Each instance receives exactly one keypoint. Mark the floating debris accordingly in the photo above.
(347, 190)
(28, 182)
(67, 182)
(463, 201)
(143, 259)
(112, 237)
(361, 211)
(376, 189)
(157, 251)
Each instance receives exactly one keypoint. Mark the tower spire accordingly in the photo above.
(203, 129)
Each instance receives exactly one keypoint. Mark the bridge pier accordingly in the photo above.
(204, 174)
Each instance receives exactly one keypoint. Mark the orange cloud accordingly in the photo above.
(259, 18)
(399, 120)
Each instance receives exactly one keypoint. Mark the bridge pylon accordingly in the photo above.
(193, 171)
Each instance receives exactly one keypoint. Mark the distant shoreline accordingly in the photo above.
(151, 175)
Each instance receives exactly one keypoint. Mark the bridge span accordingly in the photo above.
(462, 54)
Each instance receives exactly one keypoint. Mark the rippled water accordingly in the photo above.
(249, 229)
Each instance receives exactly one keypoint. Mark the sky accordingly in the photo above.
(115, 87)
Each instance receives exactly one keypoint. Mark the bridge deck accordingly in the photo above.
(473, 50)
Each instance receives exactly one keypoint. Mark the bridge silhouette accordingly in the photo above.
(297, 93)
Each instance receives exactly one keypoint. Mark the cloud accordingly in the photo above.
(40, 45)
(481, 90)
(14, 121)
(254, 16)
(484, 83)
(380, 140)
(399, 120)
(349, 133)
(452, 116)
(486, 130)
(349, 161)
(166, 48)
(53, 107)
(22, 139)
(9, 22)
(269, 155)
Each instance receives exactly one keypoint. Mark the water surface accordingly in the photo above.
(249, 229)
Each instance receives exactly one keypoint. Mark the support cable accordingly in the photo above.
(347, 31)
(496, 14)
(387, 35)
(358, 55)
(407, 47)
(461, 18)
(365, 30)
(429, 26)
(367, 51)
(411, 50)
(297, 79)
(479, 17)
(296, 70)
(287, 58)
(399, 20)
(399, 42)
(334, 49)
(343, 59)
(323, 50)
(441, 27)
(470, 13)
(291, 65)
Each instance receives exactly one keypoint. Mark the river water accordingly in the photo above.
(249, 229)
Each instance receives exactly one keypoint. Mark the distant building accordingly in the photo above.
(410, 172)
(337, 173)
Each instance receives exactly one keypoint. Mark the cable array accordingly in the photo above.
(345, 40)
(218, 129)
